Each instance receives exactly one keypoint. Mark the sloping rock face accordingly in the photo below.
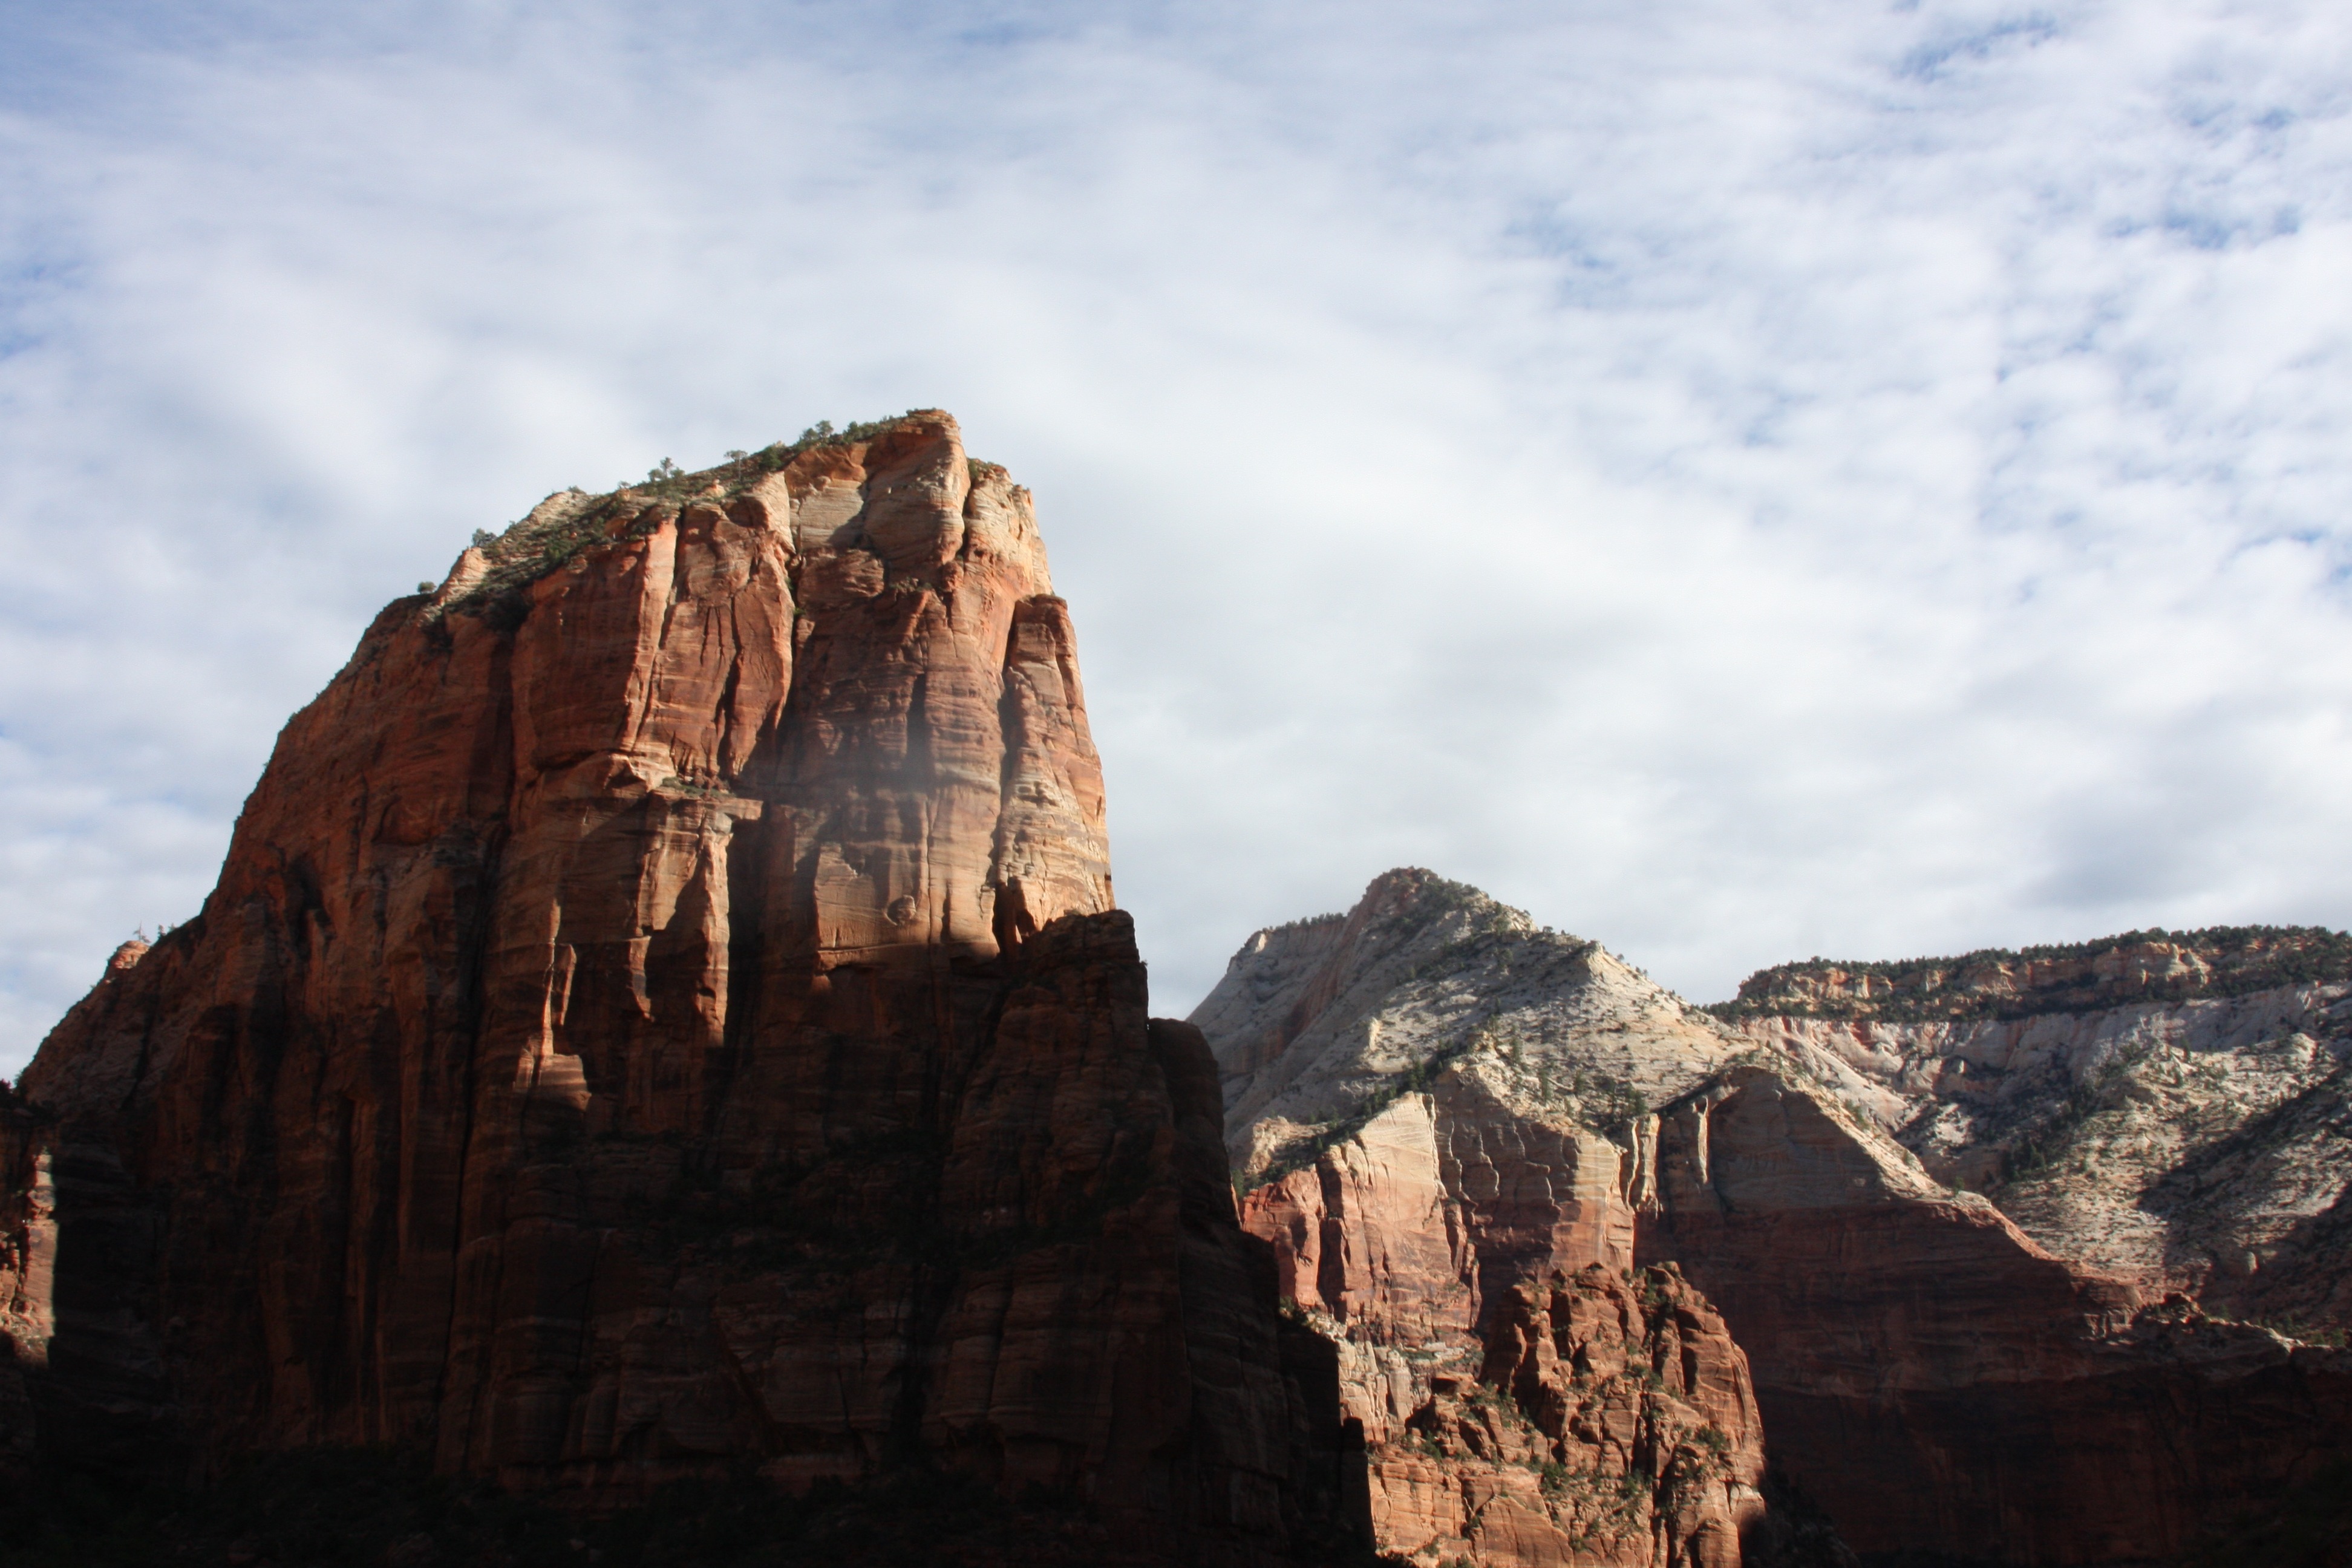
(2175, 1112)
(1416, 1097)
(1935, 1378)
(663, 1010)
(1316, 1024)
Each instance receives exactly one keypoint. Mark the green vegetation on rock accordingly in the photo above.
(566, 523)
(2071, 977)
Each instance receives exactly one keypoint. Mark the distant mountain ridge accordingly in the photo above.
(2076, 978)
(1994, 1280)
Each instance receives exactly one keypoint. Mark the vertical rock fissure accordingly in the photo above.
(931, 1250)
(472, 948)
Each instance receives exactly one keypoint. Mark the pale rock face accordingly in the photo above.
(1313, 1022)
(2193, 1145)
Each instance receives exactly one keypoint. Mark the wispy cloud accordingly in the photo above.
(1741, 481)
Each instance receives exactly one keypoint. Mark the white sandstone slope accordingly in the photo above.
(1319, 1025)
(2195, 1145)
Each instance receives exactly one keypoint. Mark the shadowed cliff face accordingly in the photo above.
(1449, 1117)
(662, 1008)
(1931, 1375)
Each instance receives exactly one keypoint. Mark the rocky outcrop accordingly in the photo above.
(1429, 1079)
(1610, 1421)
(1316, 1025)
(663, 1010)
(1429, 1084)
(2201, 1144)
(1522, 1401)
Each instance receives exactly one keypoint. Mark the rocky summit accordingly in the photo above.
(663, 1016)
(2053, 1271)
(662, 1078)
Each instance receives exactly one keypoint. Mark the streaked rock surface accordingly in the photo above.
(2200, 1144)
(663, 1011)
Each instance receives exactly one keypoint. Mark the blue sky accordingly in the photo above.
(1739, 480)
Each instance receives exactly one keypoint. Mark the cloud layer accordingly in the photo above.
(1740, 481)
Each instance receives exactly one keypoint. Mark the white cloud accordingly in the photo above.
(1741, 481)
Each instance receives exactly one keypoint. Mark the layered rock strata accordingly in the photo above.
(2037, 982)
(1937, 1381)
(1414, 1096)
(2175, 1110)
(1929, 1374)
(663, 1010)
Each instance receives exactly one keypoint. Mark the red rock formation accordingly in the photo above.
(662, 1007)
(2164, 1111)
(1612, 1423)
(1522, 1398)
(1935, 1381)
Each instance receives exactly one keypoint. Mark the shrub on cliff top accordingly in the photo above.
(558, 529)
(2239, 960)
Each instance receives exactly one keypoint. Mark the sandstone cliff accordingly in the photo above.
(1442, 1108)
(663, 1010)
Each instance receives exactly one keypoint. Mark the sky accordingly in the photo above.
(1739, 480)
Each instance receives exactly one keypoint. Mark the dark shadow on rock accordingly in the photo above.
(104, 1400)
(1793, 1534)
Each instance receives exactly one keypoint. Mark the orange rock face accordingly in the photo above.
(1612, 1423)
(662, 1007)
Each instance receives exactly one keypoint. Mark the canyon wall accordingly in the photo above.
(663, 1010)
(1935, 1381)
(1438, 1110)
